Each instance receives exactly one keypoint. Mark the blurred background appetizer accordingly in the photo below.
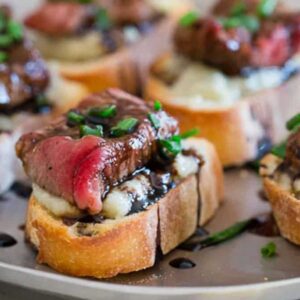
(28, 92)
(113, 180)
(280, 171)
(93, 41)
(229, 74)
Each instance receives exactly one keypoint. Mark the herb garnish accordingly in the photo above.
(266, 8)
(75, 118)
(189, 19)
(279, 150)
(123, 127)
(106, 112)
(15, 30)
(103, 21)
(3, 57)
(87, 130)
(154, 120)
(238, 9)
(293, 123)
(173, 146)
(157, 105)
(226, 234)
(269, 250)
(247, 21)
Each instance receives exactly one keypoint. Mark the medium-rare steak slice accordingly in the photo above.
(23, 74)
(241, 39)
(94, 147)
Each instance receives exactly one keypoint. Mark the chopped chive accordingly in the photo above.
(3, 57)
(172, 146)
(293, 123)
(190, 133)
(87, 130)
(106, 112)
(157, 105)
(266, 8)
(103, 21)
(5, 40)
(15, 30)
(238, 9)
(75, 118)
(2, 21)
(279, 150)
(154, 120)
(269, 250)
(124, 126)
(251, 23)
(189, 19)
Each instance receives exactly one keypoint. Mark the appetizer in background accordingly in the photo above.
(229, 74)
(280, 171)
(27, 91)
(91, 41)
(113, 179)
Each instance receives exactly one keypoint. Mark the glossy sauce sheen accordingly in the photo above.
(182, 263)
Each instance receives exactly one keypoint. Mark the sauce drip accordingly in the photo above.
(182, 263)
(7, 240)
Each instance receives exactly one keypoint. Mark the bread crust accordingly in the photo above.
(128, 244)
(235, 131)
(286, 210)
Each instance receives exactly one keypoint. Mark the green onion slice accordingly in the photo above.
(5, 40)
(189, 19)
(266, 8)
(106, 112)
(3, 57)
(293, 123)
(190, 133)
(154, 120)
(87, 130)
(157, 105)
(75, 118)
(124, 126)
(172, 146)
(15, 30)
(238, 9)
(269, 250)
(251, 23)
(279, 150)
(103, 21)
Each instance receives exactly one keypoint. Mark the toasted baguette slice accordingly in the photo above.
(236, 131)
(285, 206)
(128, 244)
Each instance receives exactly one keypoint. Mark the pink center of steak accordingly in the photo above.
(82, 170)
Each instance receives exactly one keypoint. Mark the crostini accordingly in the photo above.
(92, 42)
(28, 92)
(280, 172)
(229, 75)
(113, 181)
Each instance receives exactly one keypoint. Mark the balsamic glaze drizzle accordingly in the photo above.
(7, 240)
(182, 263)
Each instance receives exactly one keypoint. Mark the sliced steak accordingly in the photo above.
(23, 74)
(82, 170)
(61, 18)
(233, 50)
